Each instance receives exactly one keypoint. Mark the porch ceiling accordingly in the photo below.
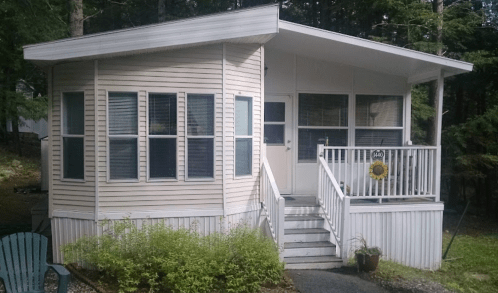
(416, 66)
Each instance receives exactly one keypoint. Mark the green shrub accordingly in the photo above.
(160, 258)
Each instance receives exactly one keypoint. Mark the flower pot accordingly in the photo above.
(367, 262)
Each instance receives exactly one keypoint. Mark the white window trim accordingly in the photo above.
(71, 135)
(403, 117)
(187, 136)
(247, 176)
(108, 163)
(147, 141)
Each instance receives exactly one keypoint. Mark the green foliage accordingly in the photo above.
(160, 258)
(363, 247)
(471, 266)
(12, 165)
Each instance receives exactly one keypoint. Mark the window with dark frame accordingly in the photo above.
(162, 136)
(200, 136)
(73, 134)
(123, 135)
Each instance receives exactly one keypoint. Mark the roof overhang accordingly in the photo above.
(415, 66)
(253, 25)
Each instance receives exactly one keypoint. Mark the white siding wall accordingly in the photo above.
(243, 77)
(193, 70)
(407, 234)
(66, 195)
(67, 230)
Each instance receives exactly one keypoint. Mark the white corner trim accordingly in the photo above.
(393, 208)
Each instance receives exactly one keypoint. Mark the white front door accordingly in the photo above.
(278, 139)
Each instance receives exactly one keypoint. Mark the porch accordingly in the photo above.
(400, 213)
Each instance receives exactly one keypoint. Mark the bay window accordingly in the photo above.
(123, 135)
(73, 133)
(243, 136)
(200, 136)
(162, 136)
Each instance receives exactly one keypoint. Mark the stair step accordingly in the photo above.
(303, 221)
(312, 262)
(302, 210)
(306, 235)
(300, 249)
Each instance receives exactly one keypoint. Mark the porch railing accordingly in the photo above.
(273, 204)
(335, 207)
(411, 171)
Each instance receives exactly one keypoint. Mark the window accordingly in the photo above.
(322, 118)
(274, 123)
(123, 135)
(243, 136)
(379, 120)
(162, 136)
(73, 132)
(200, 136)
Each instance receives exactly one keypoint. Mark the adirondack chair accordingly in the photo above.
(23, 264)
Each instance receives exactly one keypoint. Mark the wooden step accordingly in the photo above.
(303, 221)
(306, 235)
(312, 262)
(321, 248)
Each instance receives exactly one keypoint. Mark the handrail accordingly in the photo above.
(273, 204)
(335, 206)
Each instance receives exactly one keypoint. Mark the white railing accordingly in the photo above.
(411, 171)
(335, 206)
(273, 204)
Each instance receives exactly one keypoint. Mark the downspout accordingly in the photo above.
(224, 181)
(96, 121)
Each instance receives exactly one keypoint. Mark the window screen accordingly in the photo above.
(123, 135)
(73, 131)
(162, 135)
(323, 119)
(243, 136)
(200, 136)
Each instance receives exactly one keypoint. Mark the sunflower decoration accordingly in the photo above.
(378, 170)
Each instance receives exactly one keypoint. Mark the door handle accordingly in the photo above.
(288, 148)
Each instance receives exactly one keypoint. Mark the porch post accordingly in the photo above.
(439, 123)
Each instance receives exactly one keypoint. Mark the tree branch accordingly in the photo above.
(90, 16)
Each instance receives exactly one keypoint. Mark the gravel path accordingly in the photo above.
(75, 286)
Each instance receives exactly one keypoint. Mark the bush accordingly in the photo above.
(160, 258)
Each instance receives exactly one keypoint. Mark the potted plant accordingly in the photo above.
(367, 258)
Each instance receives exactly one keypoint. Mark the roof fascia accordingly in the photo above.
(238, 25)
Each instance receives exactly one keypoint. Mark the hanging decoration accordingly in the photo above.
(378, 170)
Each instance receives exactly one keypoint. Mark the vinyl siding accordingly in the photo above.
(193, 70)
(68, 195)
(243, 77)
(68, 230)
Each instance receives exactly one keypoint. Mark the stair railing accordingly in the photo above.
(335, 206)
(273, 204)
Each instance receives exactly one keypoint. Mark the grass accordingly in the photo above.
(471, 266)
(12, 165)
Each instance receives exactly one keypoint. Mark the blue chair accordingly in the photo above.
(23, 264)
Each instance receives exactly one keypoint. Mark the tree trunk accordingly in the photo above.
(76, 17)
(161, 10)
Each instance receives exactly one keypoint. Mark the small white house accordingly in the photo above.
(210, 120)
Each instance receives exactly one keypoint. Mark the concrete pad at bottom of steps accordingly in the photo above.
(325, 281)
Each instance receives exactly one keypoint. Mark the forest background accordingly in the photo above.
(458, 29)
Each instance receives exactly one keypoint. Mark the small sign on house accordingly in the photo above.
(377, 155)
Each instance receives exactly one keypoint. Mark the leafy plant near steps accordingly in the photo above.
(160, 258)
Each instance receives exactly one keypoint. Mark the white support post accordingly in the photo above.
(439, 121)
(408, 114)
(345, 237)
(319, 150)
(280, 226)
